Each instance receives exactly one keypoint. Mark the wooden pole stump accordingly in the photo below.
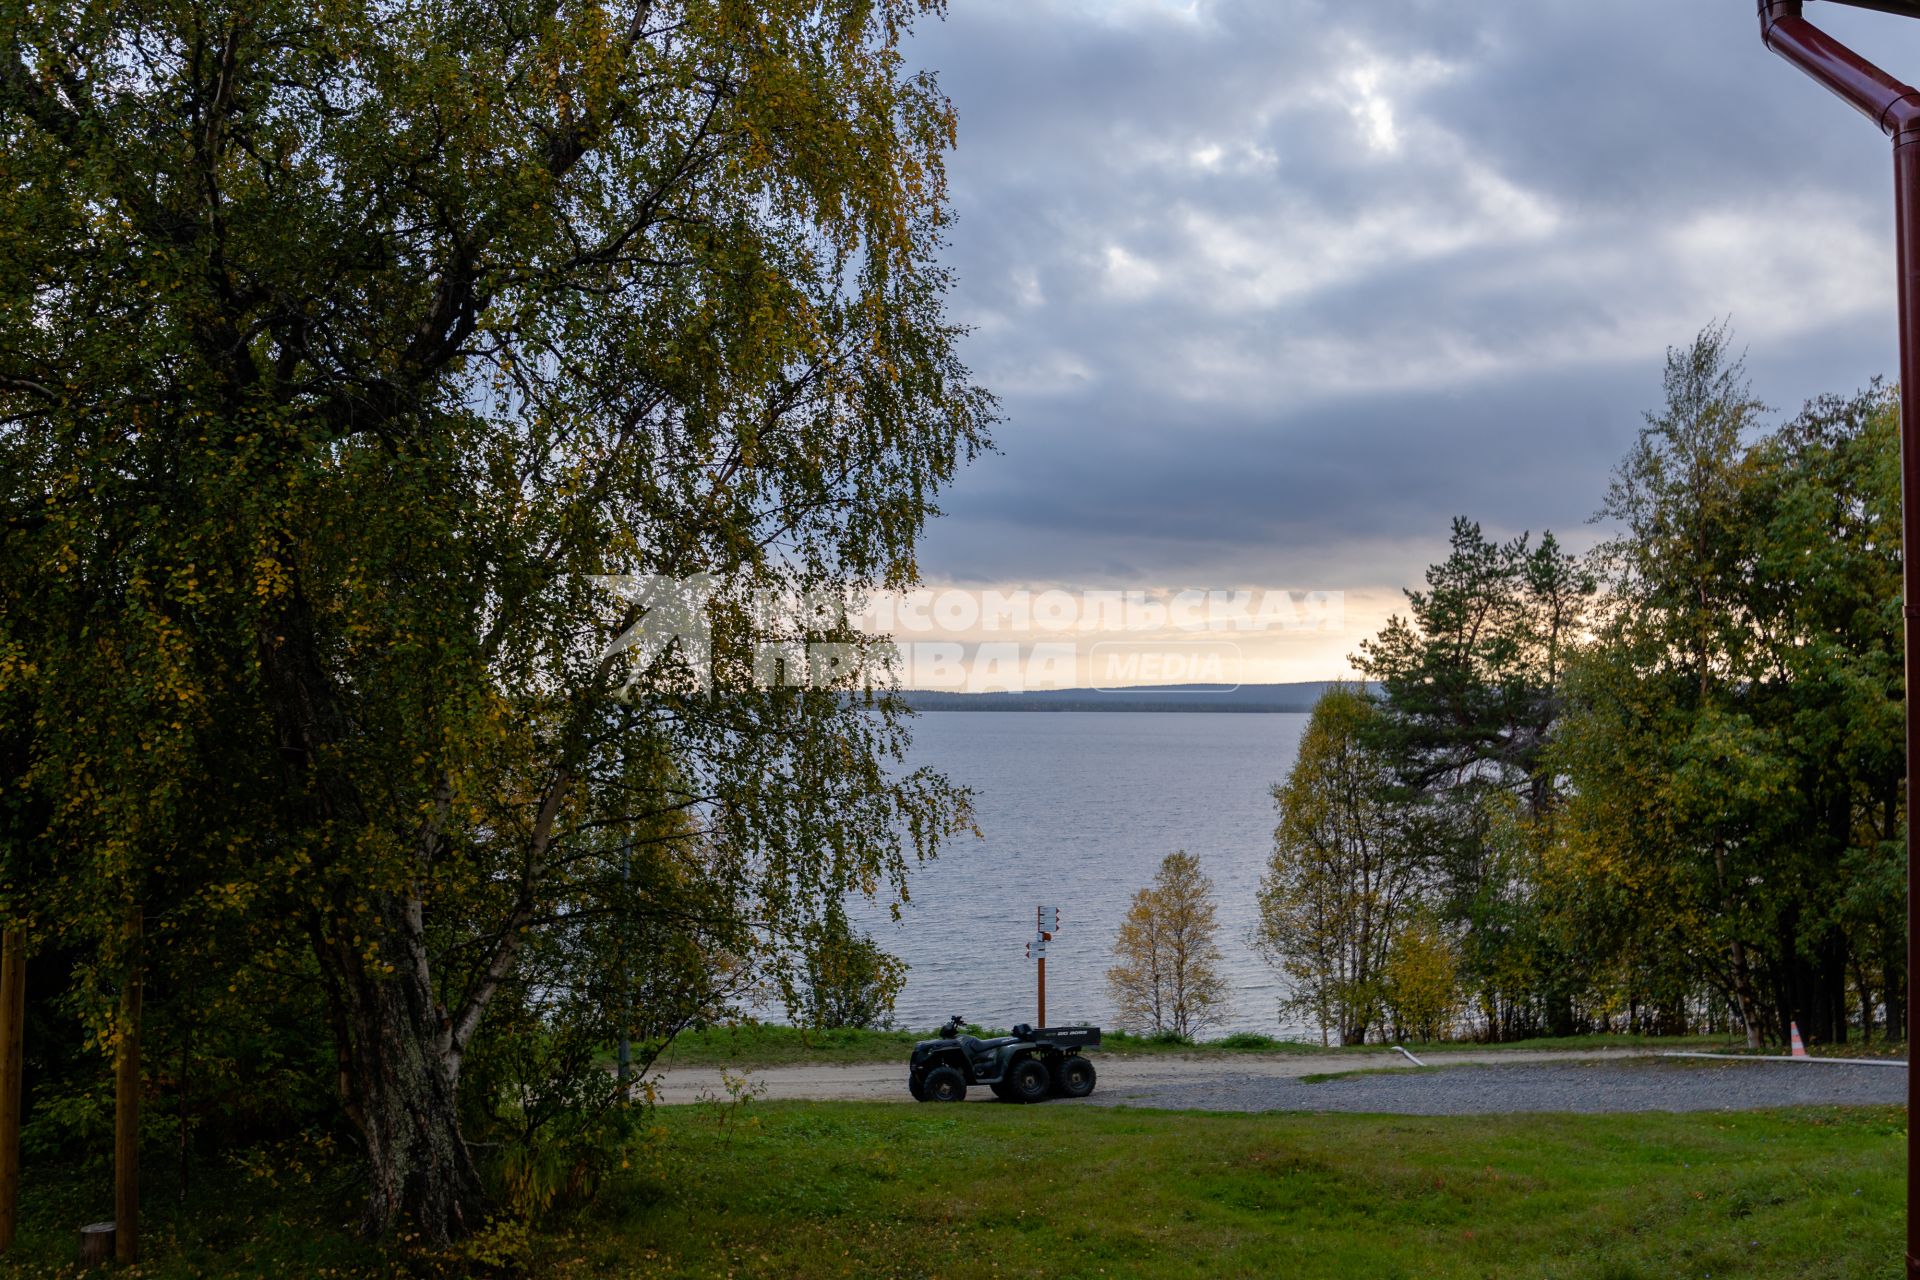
(96, 1244)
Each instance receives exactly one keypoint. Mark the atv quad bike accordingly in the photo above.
(1026, 1066)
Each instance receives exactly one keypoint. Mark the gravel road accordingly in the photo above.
(1467, 1083)
(1643, 1084)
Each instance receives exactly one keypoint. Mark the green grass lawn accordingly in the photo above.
(1068, 1191)
(1064, 1191)
(761, 1045)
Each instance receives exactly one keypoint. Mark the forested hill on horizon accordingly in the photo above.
(1297, 697)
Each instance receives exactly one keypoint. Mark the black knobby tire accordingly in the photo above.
(944, 1084)
(1028, 1080)
(917, 1087)
(1073, 1077)
(999, 1088)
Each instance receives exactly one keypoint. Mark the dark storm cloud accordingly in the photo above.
(1271, 290)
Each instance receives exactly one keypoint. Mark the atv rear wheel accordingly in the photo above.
(1073, 1077)
(1028, 1080)
(944, 1084)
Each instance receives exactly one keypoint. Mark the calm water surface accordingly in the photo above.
(1076, 810)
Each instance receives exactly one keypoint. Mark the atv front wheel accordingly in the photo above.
(917, 1088)
(1074, 1077)
(1028, 1081)
(944, 1084)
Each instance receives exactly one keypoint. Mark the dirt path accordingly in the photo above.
(1154, 1076)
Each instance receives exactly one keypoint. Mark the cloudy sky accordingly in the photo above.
(1272, 289)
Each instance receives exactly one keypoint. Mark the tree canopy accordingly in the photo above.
(340, 350)
(1341, 877)
(1664, 780)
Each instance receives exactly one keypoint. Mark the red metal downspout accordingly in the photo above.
(1895, 107)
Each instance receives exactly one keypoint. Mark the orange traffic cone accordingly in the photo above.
(1799, 1050)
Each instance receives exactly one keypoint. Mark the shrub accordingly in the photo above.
(850, 982)
(1422, 980)
(1248, 1040)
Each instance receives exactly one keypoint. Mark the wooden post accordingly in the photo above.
(96, 1244)
(126, 1105)
(13, 1012)
(1043, 989)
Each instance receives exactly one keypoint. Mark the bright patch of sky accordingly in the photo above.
(1272, 289)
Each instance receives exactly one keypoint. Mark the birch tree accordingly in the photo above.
(340, 351)
(1339, 879)
(1168, 978)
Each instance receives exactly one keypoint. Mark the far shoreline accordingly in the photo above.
(1269, 699)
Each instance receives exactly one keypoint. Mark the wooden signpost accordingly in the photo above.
(1046, 924)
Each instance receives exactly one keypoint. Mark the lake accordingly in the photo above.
(1077, 809)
